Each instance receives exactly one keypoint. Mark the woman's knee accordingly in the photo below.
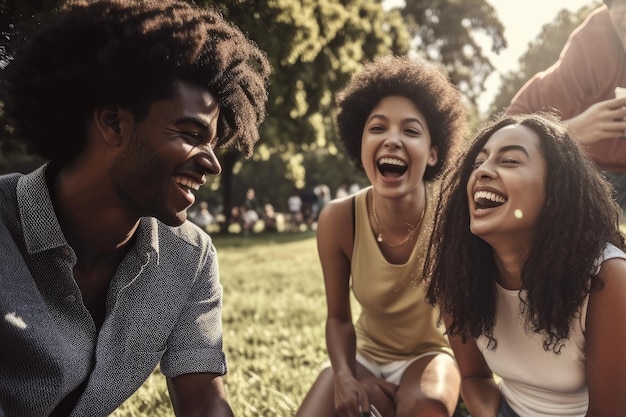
(319, 400)
(429, 387)
(421, 407)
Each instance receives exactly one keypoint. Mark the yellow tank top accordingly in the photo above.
(395, 323)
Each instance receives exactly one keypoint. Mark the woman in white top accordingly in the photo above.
(529, 272)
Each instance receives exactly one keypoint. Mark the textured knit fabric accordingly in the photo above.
(395, 323)
(591, 65)
(163, 304)
(534, 382)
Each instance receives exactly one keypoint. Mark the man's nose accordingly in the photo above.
(207, 159)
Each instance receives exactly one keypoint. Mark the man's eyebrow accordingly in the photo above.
(195, 121)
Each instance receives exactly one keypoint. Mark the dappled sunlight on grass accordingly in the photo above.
(274, 314)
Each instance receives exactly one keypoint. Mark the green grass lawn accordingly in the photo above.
(274, 314)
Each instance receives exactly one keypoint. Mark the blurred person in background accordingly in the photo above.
(294, 208)
(250, 212)
(202, 216)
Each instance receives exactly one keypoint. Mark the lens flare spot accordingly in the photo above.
(15, 320)
(518, 214)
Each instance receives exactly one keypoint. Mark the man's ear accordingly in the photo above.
(114, 123)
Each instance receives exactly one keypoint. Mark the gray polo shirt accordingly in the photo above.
(164, 304)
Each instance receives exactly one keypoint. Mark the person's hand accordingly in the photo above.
(602, 120)
(381, 393)
(350, 394)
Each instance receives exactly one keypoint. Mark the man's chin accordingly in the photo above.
(175, 220)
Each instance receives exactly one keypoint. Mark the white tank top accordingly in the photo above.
(534, 382)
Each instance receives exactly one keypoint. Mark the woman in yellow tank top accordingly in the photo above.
(399, 120)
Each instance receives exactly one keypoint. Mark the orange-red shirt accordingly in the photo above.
(591, 65)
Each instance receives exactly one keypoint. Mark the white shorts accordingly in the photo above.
(391, 371)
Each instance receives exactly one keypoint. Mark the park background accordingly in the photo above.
(274, 308)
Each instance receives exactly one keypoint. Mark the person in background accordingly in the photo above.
(202, 216)
(309, 200)
(251, 202)
(102, 276)
(294, 207)
(354, 188)
(580, 87)
(400, 120)
(250, 212)
(322, 192)
(528, 269)
(342, 190)
(270, 218)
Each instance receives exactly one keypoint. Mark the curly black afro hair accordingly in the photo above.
(418, 81)
(130, 53)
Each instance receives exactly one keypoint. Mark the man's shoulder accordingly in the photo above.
(8, 181)
(8, 191)
(187, 233)
(597, 25)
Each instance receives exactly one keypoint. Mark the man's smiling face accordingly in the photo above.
(170, 152)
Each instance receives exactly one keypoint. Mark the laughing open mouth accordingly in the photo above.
(187, 183)
(488, 199)
(392, 167)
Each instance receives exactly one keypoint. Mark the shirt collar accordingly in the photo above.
(42, 230)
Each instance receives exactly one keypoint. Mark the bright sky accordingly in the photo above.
(522, 20)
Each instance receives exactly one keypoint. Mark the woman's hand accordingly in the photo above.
(381, 393)
(350, 394)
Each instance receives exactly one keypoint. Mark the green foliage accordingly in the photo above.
(541, 54)
(314, 47)
(14, 158)
(445, 31)
(13, 154)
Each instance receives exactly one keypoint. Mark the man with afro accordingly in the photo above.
(102, 275)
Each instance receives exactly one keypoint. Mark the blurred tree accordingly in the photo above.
(541, 54)
(13, 155)
(314, 47)
(449, 31)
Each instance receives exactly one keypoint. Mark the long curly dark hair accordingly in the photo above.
(415, 79)
(578, 219)
(130, 53)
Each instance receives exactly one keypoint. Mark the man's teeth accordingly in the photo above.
(187, 182)
(391, 161)
(488, 195)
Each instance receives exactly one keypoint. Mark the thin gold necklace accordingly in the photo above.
(411, 229)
